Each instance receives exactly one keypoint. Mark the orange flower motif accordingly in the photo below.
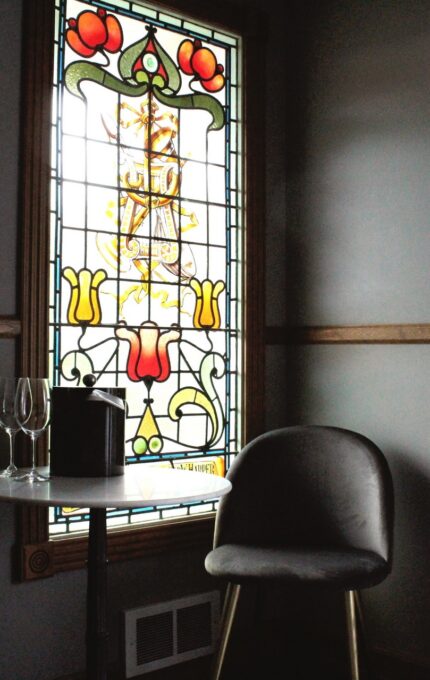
(200, 62)
(206, 312)
(94, 31)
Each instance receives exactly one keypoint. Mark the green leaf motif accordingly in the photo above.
(173, 76)
(129, 57)
(80, 71)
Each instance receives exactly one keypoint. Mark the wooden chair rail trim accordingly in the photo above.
(364, 334)
(10, 327)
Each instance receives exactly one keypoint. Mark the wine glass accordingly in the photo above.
(8, 421)
(32, 410)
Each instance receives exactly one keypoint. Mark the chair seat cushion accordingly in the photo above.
(348, 569)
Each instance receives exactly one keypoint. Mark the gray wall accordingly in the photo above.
(358, 252)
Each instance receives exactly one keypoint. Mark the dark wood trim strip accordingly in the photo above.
(371, 334)
(10, 327)
(36, 96)
(71, 553)
(38, 31)
(255, 215)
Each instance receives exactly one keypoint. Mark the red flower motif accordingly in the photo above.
(94, 31)
(148, 357)
(149, 62)
(200, 62)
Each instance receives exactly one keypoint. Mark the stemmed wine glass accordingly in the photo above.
(32, 409)
(8, 421)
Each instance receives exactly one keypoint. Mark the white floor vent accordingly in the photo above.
(167, 633)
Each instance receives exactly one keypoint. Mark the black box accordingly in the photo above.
(87, 432)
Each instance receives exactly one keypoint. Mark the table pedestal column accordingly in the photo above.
(97, 633)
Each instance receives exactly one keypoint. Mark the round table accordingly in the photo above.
(140, 486)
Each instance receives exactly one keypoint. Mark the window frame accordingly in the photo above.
(38, 554)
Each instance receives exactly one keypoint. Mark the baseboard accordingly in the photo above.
(197, 669)
(390, 666)
(113, 674)
(385, 665)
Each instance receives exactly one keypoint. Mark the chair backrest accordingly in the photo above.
(312, 486)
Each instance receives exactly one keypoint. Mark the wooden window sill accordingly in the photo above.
(60, 554)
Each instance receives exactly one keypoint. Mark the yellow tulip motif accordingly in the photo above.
(84, 305)
(206, 312)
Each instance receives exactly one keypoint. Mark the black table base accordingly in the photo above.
(97, 632)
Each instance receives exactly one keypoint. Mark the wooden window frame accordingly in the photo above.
(38, 555)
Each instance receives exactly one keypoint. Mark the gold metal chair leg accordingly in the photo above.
(365, 648)
(227, 618)
(351, 622)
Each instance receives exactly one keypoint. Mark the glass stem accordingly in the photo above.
(33, 452)
(11, 446)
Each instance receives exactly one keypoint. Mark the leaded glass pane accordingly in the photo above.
(145, 243)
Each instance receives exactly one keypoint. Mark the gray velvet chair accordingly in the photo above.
(310, 505)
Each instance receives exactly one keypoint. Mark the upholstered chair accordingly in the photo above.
(310, 505)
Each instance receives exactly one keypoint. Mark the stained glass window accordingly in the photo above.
(146, 232)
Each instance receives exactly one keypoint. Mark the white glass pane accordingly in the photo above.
(222, 37)
(73, 201)
(217, 225)
(146, 11)
(194, 181)
(216, 148)
(193, 221)
(73, 158)
(102, 213)
(193, 135)
(180, 512)
(216, 184)
(174, 21)
(73, 114)
(73, 246)
(196, 28)
(102, 166)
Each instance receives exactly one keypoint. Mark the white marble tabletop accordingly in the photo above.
(140, 486)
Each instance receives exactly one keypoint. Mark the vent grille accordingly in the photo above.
(194, 627)
(154, 637)
(167, 633)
